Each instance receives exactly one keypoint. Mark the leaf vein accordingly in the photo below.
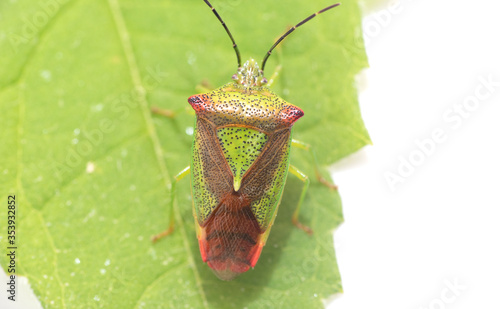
(67, 182)
(32, 52)
(124, 36)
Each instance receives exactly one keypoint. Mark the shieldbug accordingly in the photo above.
(239, 164)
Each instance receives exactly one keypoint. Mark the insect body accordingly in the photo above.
(240, 161)
(239, 165)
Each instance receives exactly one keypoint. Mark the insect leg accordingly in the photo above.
(320, 178)
(295, 218)
(273, 77)
(170, 227)
(163, 112)
(170, 113)
(204, 86)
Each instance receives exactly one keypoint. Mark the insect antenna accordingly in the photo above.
(293, 29)
(228, 32)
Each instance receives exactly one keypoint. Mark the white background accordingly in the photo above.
(432, 240)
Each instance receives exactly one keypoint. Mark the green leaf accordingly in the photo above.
(91, 168)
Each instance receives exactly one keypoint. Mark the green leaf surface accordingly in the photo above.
(91, 167)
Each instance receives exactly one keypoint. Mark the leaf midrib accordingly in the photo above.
(137, 83)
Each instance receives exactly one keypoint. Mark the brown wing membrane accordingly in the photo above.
(217, 172)
(256, 181)
(211, 170)
(232, 233)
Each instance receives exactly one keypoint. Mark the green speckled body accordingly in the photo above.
(240, 159)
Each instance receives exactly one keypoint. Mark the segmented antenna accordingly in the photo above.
(228, 32)
(293, 29)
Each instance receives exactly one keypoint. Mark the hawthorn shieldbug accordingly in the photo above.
(239, 164)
